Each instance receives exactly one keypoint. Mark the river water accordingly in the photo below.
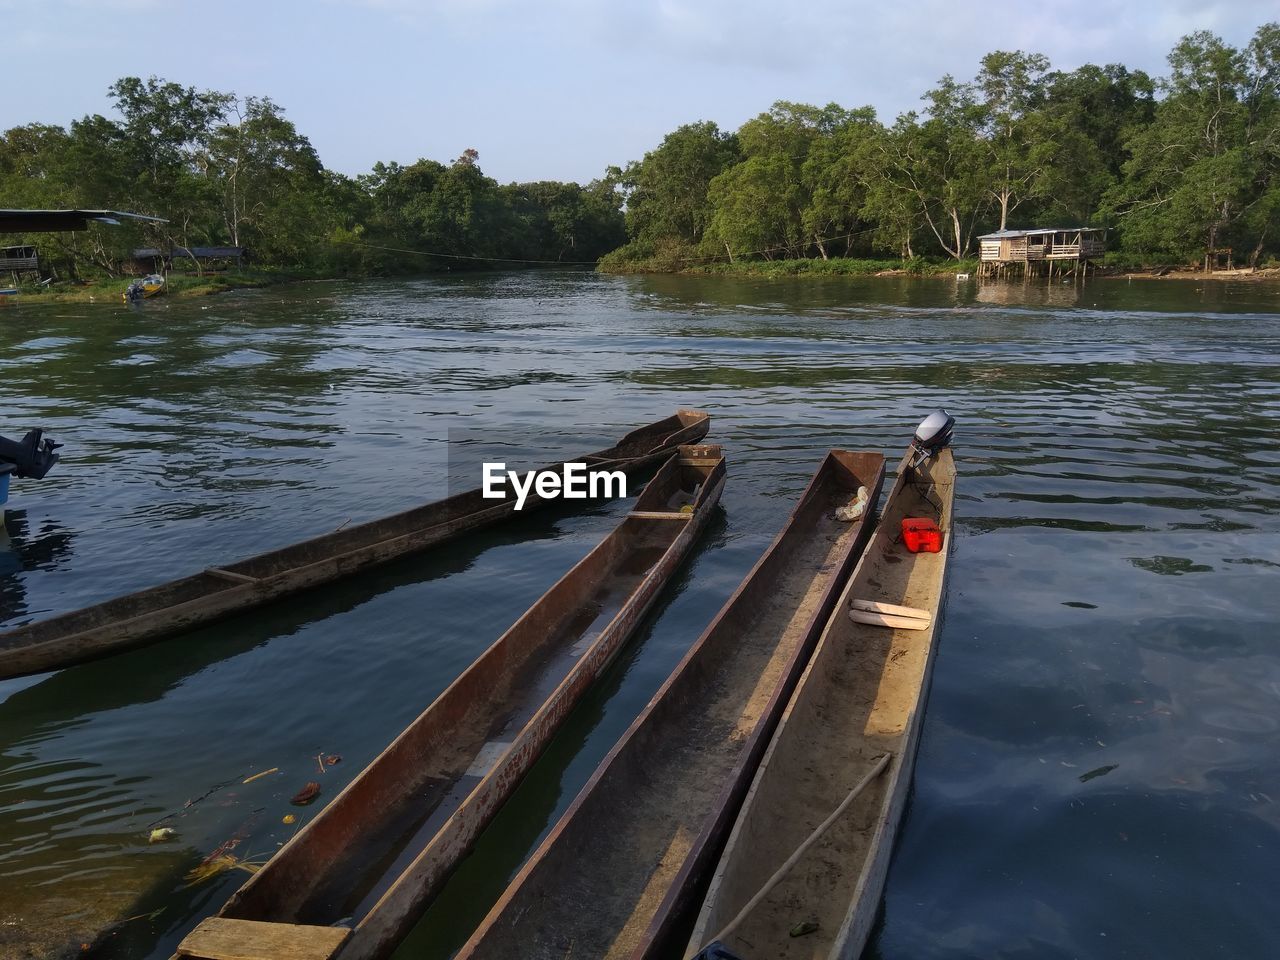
(1098, 775)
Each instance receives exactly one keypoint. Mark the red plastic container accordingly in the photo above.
(921, 535)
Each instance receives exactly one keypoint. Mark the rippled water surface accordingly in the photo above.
(1098, 772)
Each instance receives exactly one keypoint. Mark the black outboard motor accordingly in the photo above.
(30, 457)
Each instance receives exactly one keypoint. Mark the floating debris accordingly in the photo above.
(333, 758)
(137, 916)
(161, 834)
(1097, 772)
(289, 818)
(258, 776)
(216, 866)
(804, 928)
(856, 508)
(1169, 566)
(306, 794)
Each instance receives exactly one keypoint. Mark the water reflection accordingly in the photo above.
(1112, 604)
(21, 551)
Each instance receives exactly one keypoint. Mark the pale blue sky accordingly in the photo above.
(553, 89)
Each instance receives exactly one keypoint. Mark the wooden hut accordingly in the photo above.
(19, 260)
(1044, 250)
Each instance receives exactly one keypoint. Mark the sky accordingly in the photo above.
(554, 89)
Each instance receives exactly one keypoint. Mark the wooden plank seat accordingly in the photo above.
(221, 938)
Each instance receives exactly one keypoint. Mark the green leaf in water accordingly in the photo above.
(1097, 772)
(1169, 566)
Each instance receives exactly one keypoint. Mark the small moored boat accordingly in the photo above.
(138, 618)
(355, 879)
(810, 849)
(623, 864)
(149, 286)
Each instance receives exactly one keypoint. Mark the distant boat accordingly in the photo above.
(148, 286)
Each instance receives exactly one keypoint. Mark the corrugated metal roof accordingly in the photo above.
(35, 221)
(1036, 232)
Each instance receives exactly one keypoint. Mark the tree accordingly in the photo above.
(797, 185)
(1107, 105)
(1262, 214)
(836, 179)
(550, 220)
(938, 167)
(755, 208)
(165, 132)
(1020, 149)
(891, 204)
(666, 192)
(32, 166)
(1199, 168)
(271, 181)
(165, 125)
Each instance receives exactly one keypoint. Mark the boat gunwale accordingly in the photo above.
(755, 743)
(901, 762)
(401, 893)
(228, 598)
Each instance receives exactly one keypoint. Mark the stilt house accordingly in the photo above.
(1045, 250)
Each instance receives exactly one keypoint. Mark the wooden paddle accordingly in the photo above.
(889, 615)
(891, 609)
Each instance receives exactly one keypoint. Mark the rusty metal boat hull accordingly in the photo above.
(179, 605)
(623, 865)
(861, 698)
(379, 852)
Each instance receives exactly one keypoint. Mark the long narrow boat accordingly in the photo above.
(854, 720)
(381, 849)
(142, 617)
(626, 858)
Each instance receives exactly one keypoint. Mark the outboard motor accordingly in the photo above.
(31, 457)
(933, 434)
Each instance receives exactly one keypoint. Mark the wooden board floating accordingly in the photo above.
(861, 697)
(382, 848)
(180, 605)
(619, 870)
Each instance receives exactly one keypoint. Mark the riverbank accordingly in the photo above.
(833, 267)
(914, 267)
(1166, 273)
(178, 286)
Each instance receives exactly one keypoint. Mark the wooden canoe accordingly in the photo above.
(142, 617)
(624, 862)
(381, 849)
(861, 698)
